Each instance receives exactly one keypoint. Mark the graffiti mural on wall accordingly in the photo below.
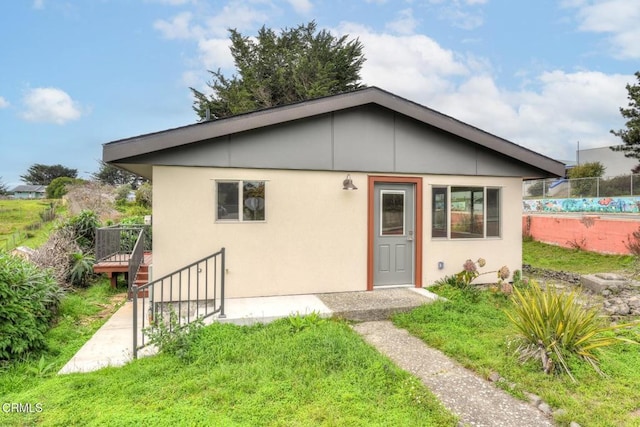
(591, 204)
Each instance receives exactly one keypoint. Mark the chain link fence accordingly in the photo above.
(617, 186)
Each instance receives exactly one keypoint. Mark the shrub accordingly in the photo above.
(58, 187)
(144, 195)
(83, 228)
(172, 337)
(30, 297)
(553, 325)
(122, 194)
(81, 268)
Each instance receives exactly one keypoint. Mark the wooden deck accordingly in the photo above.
(119, 264)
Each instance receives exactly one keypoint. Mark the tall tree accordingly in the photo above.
(631, 135)
(281, 68)
(39, 174)
(111, 175)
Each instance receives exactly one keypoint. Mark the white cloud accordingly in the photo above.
(38, 4)
(235, 15)
(463, 14)
(560, 110)
(3, 102)
(179, 27)
(552, 111)
(50, 105)
(301, 6)
(215, 53)
(405, 23)
(405, 64)
(617, 18)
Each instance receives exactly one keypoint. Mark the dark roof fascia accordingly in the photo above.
(172, 138)
(27, 188)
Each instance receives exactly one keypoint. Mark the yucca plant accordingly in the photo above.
(553, 324)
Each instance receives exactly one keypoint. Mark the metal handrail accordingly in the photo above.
(159, 297)
(136, 259)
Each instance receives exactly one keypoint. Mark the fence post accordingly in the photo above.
(222, 274)
(135, 321)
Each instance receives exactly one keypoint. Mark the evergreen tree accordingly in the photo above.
(111, 175)
(275, 69)
(39, 174)
(631, 135)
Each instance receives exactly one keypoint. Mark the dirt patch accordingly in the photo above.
(107, 309)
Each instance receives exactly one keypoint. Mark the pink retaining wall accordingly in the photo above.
(589, 232)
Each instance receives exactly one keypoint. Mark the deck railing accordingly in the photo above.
(190, 293)
(118, 241)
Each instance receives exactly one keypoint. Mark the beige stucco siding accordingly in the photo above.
(314, 238)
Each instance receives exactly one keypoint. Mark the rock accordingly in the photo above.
(634, 302)
(534, 399)
(574, 424)
(494, 377)
(597, 283)
(545, 408)
(609, 276)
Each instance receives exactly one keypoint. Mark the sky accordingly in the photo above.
(75, 74)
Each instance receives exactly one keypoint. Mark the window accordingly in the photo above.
(439, 212)
(472, 212)
(392, 213)
(240, 200)
(493, 212)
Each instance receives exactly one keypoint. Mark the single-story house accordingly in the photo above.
(349, 192)
(29, 192)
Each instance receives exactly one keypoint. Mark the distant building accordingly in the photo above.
(615, 162)
(29, 192)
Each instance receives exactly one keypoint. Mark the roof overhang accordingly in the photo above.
(118, 152)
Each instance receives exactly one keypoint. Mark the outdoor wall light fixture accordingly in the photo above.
(347, 184)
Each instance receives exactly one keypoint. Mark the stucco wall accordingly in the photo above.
(315, 235)
(588, 232)
(506, 250)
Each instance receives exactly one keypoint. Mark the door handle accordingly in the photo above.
(410, 236)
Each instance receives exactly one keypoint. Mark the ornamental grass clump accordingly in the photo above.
(553, 325)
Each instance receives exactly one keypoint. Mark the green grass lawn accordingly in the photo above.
(19, 220)
(552, 257)
(479, 336)
(247, 376)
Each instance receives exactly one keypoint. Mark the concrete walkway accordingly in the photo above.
(475, 400)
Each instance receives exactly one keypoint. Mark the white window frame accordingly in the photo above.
(484, 212)
(404, 211)
(240, 218)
